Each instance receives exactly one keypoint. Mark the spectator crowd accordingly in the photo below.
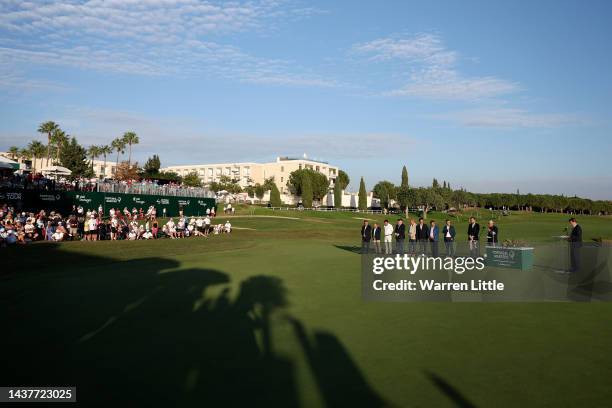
(93, 225)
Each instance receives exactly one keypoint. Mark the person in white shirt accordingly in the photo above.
(227, 227)
(93, 228)
(388, 236)
(171, 228)
(206, 225)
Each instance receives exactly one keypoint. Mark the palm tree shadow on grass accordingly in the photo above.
(145, 333)
(339, 379)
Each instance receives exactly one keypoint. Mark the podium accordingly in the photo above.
(510, 257)
(567, 254)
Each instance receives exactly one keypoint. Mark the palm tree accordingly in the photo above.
(93, 151)
(118, 145)
(59, 139)
(37, 149)
(48, 128)
(130, 138)
(13, 151)
(104, 151)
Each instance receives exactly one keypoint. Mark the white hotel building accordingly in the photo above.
(252, 173)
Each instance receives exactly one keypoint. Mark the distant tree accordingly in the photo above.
(130, 138)
(225, 183)
(48, 128)
(427, 198)
(74, 157)
(275, 199)
(385, 191)
(318, 182)
(59, 140)
(435, 184)
(127, 171)
(37, 150)
(268, 183)
(343, 179)
(118, 145)
(337, 195)
(105, 151)
(404, 177)
(25, 153)
(363, 196)
(406, 198)
(192, 180)
(260, 191)
(93, 151)
(13, 152)
(152, 165)
(307, 192)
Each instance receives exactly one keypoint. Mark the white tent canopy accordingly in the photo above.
(6, 163)
(56, 171)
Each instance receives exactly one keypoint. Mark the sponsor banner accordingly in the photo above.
(63, 201)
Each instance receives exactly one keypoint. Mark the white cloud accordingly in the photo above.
(432, 68)
(149, 37)
(510, 118)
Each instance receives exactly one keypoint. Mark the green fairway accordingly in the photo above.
(273, 314)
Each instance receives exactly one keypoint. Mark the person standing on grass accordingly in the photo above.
(422, 236)
(575, 242)
(376, 238)
(388, 233)
(412, 237)
(400, 236)
(449, 238)
(366, 236)
(473, 232)
(433, 238)
(492, 233)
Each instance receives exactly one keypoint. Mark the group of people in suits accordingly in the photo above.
(422, 238)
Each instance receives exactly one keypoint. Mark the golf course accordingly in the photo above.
(273, 313)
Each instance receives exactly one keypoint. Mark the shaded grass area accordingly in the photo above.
(274, 316)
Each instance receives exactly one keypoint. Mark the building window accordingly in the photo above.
(282, 179)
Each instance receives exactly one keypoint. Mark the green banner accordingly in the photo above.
(517, 258)
(34, 200)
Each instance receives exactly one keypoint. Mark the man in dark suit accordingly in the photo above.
(422, 236)
(492, 233)
(575, 242)
(366, 236)
(376, 238)
(473, 232)
(400, 236)
(433, 238)
(448, 232)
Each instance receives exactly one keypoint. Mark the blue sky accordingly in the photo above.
(488, 95)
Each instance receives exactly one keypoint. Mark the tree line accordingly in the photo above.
(443, 197)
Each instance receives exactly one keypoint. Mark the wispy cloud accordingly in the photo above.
(150, 37)
(432, 69)
(184, 140)
(510, 118)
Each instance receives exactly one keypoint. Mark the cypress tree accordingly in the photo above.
(306, 192)
(404, 177)
(275, 199)
(337, 195)
(363, 199)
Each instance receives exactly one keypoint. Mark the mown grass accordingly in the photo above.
(187, 322)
